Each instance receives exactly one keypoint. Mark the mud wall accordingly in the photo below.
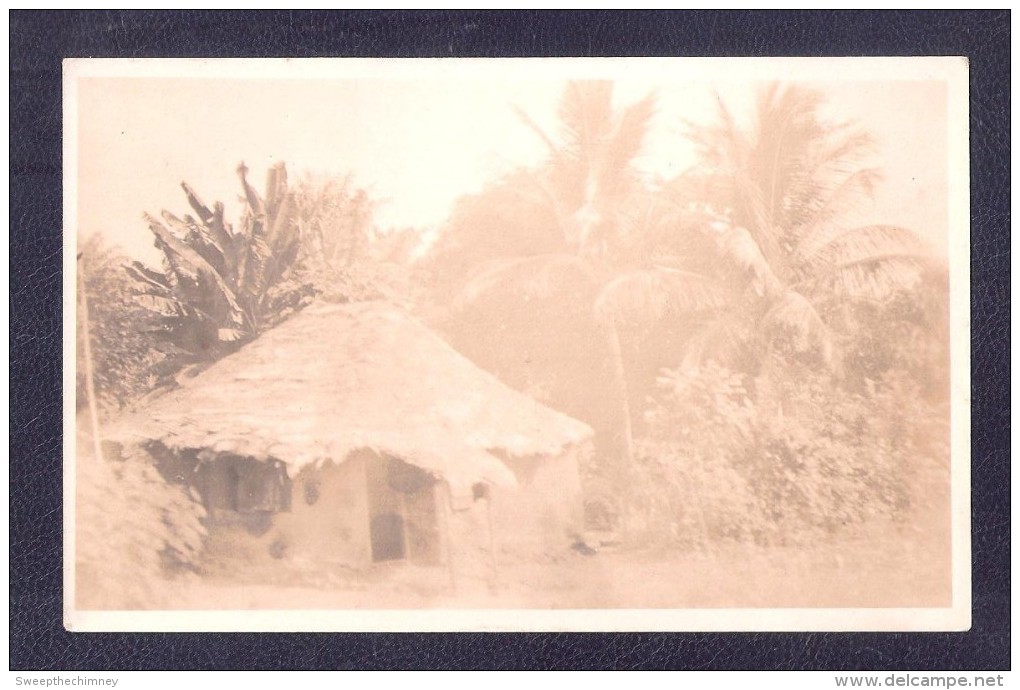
(465, 525)
(544, 512)
(328, 519)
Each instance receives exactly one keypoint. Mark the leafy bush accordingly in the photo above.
(133, 529)
(121, 350)
(804, 460)
(688, 489)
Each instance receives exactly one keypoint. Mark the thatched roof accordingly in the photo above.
(338, 378)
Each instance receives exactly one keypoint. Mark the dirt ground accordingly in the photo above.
(894, 566)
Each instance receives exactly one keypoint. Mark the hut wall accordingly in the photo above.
(242, 496)
(545, 510)
(404, 512)
(332, 506)
(328, 520)
(468, 537)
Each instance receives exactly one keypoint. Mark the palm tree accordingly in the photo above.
(604, 225)
(774, 200)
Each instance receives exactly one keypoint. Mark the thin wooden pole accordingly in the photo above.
(493, 562)
(90, 386)
(446, 504)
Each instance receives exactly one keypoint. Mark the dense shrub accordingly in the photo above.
(132, 530)
(122, 352)
(807, 460)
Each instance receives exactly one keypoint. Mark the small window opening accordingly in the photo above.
(479, 491)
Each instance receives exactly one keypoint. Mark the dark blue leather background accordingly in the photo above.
(40, 39)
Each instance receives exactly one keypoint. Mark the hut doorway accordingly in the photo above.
(388, 541)
(403, 520)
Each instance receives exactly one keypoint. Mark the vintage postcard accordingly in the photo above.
(527, 345)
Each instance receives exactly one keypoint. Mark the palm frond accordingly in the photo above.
(230, 335)
(625, 144)
(734, 138)
(846, 142)
(826, 201)
(722, 339)
(204, 214)
(252, 281)
(532, 276)
(738, 244)
(215, 232)
(878, 277)
(586, 122)
(585, 114)
(276, 188)
(283, 236)
(530, 123)
(787, 128)
(163, 304)
(655, 292)
(793, 326)
(754, 213)
(872, 240)
(723, 145)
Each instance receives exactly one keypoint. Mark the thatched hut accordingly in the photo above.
(353, 434)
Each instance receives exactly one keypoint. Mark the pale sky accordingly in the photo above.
(418, 145)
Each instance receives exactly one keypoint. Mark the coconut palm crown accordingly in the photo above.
(777, 199)
(604, 222)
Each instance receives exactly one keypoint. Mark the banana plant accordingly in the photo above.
(221, 286)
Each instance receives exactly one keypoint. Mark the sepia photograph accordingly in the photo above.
(516, 344)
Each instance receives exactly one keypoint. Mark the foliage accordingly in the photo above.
(334, 220)
(121, 352)
(718, 466)
(770, 429)
(343, 256)
(133, 529)
(567, 247)
(590, 174)
(906, 333)
(775, 198)
(784, 325)
(221, 286)
(688, 490)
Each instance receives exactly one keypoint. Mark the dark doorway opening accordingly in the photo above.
(387, 532)
(403, 520)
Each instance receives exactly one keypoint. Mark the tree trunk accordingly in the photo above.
(626, 460)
